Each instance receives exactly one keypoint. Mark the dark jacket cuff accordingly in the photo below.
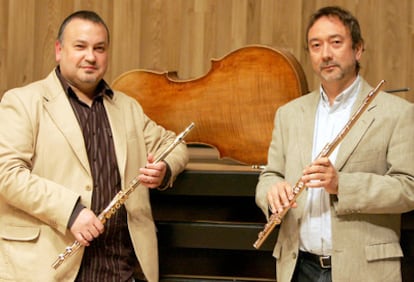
(76, 210)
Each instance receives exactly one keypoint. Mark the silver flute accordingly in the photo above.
(276, 218)
(120, 198)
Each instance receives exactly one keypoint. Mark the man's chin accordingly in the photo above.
(90, 79)
(331, 77)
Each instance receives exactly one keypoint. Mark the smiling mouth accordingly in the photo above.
(89, 68)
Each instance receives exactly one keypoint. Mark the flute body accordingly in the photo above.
(276, 218)
(120, 199)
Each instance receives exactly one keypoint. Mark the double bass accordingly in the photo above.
(233, 105)
(212, 202)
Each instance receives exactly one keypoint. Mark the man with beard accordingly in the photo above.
(345, 225)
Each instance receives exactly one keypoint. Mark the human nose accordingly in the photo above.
(90, 55)
(326, 52)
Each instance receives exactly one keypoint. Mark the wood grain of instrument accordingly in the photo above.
(233, 105)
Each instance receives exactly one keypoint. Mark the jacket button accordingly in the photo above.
(294, 255)
(88, 188)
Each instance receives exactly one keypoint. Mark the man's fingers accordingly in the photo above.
(82, 240)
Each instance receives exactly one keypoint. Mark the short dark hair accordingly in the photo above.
(84, 15)
(346, 18)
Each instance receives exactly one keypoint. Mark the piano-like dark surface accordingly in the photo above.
(208, 221)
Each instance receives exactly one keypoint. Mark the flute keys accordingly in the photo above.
(298, 187)
(59, 261)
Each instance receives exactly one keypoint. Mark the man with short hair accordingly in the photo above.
(68, 144)
(345, 225)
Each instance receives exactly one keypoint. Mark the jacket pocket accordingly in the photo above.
(383, 251)
(19, 233)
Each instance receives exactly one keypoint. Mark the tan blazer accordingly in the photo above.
(376, 183)
(44, 170)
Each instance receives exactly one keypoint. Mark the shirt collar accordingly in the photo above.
(102, 88)
(344, 98)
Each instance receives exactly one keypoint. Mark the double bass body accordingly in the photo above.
(233, 105)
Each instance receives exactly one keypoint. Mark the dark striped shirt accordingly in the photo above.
(110, 257)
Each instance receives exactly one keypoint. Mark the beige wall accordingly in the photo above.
(183, 35)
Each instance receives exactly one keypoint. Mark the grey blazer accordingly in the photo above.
(44, 170)
(376, 184)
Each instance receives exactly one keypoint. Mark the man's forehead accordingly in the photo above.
(328, 26)
(78, 28)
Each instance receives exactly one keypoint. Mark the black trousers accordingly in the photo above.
(310, 271)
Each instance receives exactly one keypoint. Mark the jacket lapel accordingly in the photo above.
(353, 137)
(305, 133)
(61, 113)
(306, 127)
(58, 106)
(118, 132)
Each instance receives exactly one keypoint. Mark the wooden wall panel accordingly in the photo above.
(20, 37)
(3, 44)
(47, 18)
(184, 35)
(125, 50)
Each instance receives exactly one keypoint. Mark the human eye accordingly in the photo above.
(336, 42)
(314, 45)
(100, 48)
(79, 46)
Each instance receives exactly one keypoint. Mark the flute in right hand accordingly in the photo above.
(119, 199)
(276, 218)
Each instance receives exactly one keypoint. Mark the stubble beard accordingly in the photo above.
(333, 76)
(338, 73)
